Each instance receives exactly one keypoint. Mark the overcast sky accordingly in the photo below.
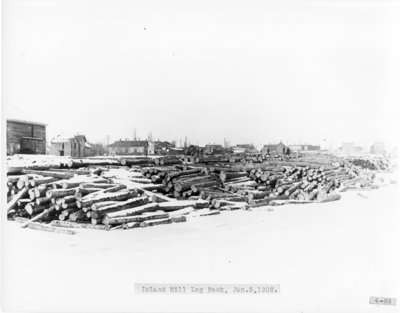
(250, 71)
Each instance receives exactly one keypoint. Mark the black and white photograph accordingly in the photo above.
(200, 156)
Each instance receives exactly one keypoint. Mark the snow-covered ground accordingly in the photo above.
(326, 257)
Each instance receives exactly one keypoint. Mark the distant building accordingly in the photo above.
(245, 148)
(131, 147)
(74, 146)
(25, 137)
(378, 148)
(175, 151)
(213, 149)
(162, 147)
(279, 148)
(300, 148)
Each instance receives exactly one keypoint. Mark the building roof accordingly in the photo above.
(80, 138)
(214, 146)
(162, 143)
(25, 122)
(61, 139)
(269, 146)
(129, 143)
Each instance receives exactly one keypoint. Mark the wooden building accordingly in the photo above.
(213, 149)
(25, 137)
(279, 148)
(162, 147)
(302, 148)
(74, 146)
(131, 147)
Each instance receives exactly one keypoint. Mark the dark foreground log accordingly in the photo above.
(40, 216)
(11, 205)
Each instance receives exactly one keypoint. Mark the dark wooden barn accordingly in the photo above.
(25, 137)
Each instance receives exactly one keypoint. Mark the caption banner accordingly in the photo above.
(261, 289)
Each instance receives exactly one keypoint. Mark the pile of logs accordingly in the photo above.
(169, 189)
(64, 199)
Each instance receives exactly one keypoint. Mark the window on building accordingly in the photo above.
(62, 146)
(74, 145)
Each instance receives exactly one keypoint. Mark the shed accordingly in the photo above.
(25, 137)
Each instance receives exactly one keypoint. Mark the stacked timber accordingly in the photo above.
(149, 194)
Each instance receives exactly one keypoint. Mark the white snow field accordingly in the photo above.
(328, 257)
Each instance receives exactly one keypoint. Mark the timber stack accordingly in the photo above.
(123, 193)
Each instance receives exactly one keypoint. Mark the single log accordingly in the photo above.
(265, 201)
(99, 205)
(97, 185)
(68, 211)
(131, 225)
(11, 205)
(128, 204)
(68, 184)
(40, 191)
(55, 174)
(23, 202)
(180, 212)
(140, 180)
(292, 188)
(151, 187)
(199, 186)
(186, 184)
(78, 216)
(81, 192)
(150, 207)
(49, 228)
(156, 222)
(68, 199)
(14, 178)
(256, 194)
(242, 184)
(219, 203)
(134, 218)
(43, 180)
(236, 206)
(115, 189)
(42, 201)
(68, 224)
(32, 208)
(178, 219)
(117, 196)
(186, 177)
(176, 205)
(70, 205)
(183, 173)
(40, 216)
(24, 180)
(58, 193)
(229, 175)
